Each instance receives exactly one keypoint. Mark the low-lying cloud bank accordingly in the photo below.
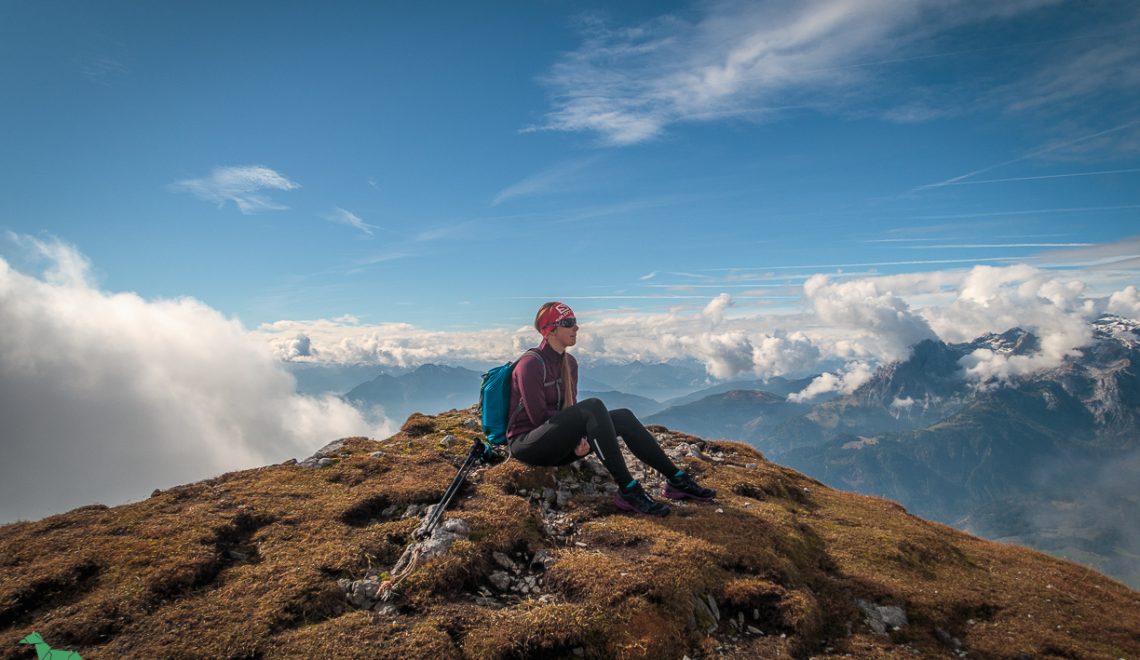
(107, 396)
(844, 328)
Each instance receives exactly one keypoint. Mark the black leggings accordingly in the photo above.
(554, 442)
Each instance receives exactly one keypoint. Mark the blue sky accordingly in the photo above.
(449, 165)
(196, 191)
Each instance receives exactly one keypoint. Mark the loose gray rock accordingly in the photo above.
(438, 543)
(472, 423)
(448, 440)
(504, 561)
(361, 593)
(713, 608)
(377, 454)
(596, 466)
(703, 618)
(321, 457)
(882, 617)
(542, 558)
(501, 580)
(947, 639)
(487, 601)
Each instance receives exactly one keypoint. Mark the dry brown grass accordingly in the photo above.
(246, 566)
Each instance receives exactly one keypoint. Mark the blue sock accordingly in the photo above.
(630, 485)
(680, 473)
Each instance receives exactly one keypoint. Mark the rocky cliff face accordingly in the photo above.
(287, 560)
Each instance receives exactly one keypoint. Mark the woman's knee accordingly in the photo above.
(594, 405)
(623, 417)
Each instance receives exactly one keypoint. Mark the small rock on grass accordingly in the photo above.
(504, 561)
(501, 580)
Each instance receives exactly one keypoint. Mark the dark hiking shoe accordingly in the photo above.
(637, 500)
(684, 486)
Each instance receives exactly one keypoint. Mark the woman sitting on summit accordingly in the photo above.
(550, 428)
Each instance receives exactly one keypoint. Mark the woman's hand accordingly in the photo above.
(583, 448)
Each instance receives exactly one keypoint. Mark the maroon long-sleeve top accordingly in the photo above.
(538, 385)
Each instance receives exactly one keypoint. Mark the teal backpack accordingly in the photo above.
(495, 400)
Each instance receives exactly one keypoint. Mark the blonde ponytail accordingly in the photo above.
(568, 384)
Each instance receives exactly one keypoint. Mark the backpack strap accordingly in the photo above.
(537, 354)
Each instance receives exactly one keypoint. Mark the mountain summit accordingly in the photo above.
(285, 560)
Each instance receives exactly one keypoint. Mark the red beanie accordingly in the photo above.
(554, 314)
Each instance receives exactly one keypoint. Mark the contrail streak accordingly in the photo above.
(989, 214)
(1044, 176)
(1031, 154)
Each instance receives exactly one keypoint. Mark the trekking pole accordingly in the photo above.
(473, 456)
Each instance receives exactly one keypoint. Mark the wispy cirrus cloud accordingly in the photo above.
(101, 68)
(346, 217)
(558, 178)
(1122, 253)
(1107, 65)
(748, 59)
(242, 185)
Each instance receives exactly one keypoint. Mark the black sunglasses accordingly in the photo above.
(568, 322)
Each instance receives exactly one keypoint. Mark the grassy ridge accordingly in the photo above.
(246, 566)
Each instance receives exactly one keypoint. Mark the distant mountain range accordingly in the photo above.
(429, 389)
(320, 378)
(433, 388)
(748, 415)
(658, 381)
(1049, 459)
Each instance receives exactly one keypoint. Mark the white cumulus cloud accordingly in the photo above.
(1125, 302)
(877, 316)
(867, 320)
(716, 308)
(1057, 309)
(847, 381)
(106, 396)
